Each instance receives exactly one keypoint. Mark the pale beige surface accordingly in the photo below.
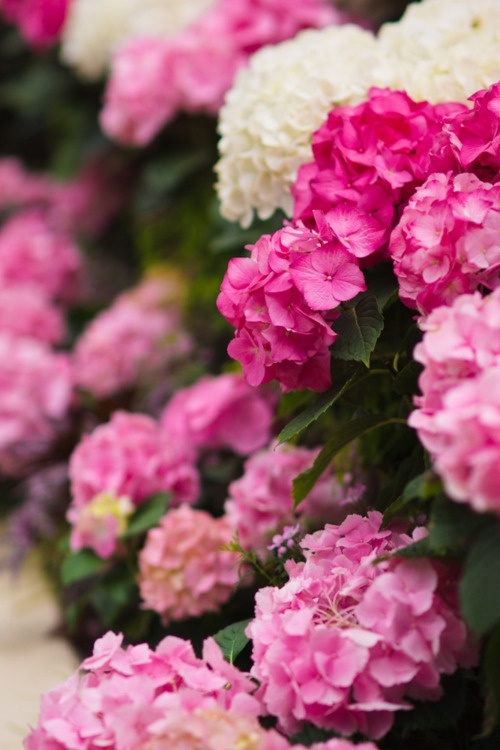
(32, 660)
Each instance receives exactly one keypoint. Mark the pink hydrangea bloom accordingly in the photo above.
(447, 240)
(26, 311)
(118, 466)
(220, 411)
(368, 159)
(20, 188)
(36, 391)
(118, 695)
(260, 503)
(349, 639)
(154, 340)
(282, 301)
(183, 570)
(32, 251)
(40, 21)
(153, 79)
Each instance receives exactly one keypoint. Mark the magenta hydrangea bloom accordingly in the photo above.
(152, 79)
(115, 468)
(447, 241)
(221, 411)
(40, 21)
(116, 697)
(154, 339)
(183, 570)
(350, 638)
(260, 503)
(33, 251)
(368, 159)
(282, 301)
(36, 392)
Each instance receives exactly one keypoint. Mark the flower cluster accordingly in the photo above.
(220, 412)
(260, 502)
(348, 640)
(39, 21)
(368, 159)
(282, 301)
(154, 77)
(183, 569)
(457, 414)
(115, 468)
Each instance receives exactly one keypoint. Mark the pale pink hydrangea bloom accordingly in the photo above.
(368, 159)
(130, 457)
(40, 21)
(130, 343)
(154, 78)
(260, 503)
(447, 240)
(18, 187)
(282, 301)
(26, 311)
(348, 640)
(116, 696)
(220, 411)
(32, 251)
(183, 570)
(36, 391)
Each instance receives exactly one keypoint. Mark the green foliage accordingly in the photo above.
(479, 585)
(147, 515)
(232, 640)
(79, 565)
(358, 327)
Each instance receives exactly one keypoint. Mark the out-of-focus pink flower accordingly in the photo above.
(36, 390)
(282, 301)
(34, 252)
(220, 412)
(153, 79)
(260, 503)
(350, 638)
(26, 311)
(183, 570)
(40, 21)
(119, 465)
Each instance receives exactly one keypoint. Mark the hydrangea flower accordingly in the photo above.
(282, 301)
(446, 242)
(220, 411)
(154, 78)
(115, 468)
(40, 21)
(274, 107)
(349, 639)
(183, 570)
(260, 503)
(26, 311)
(36, 391)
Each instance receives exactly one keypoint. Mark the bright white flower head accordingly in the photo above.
(275, 106)
(442, 50)
(95, 28)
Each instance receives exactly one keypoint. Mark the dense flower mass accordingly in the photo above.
(220, 412)
(26, 311)
(118, 466)
(36, 391)
(274, 107)
(154, 340)
(348, 640)
(39, 21)
(457, 413)
(260, 503)
(283, 299)
(447, 241)
(368, 159)
(183, 570)
(153, 78)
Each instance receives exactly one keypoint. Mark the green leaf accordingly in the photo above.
(147, 515)
(232, 640)
(452, 524)
(492, 672)
(417, 549)
(406, 381)
(80, 565)
(479, 585)
(319, 407)
(441, 714)
(382, 284)
(358, 330)
(341, 437)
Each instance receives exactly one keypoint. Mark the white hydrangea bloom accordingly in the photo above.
(276, 104)
(442, 50)
(95, 28)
